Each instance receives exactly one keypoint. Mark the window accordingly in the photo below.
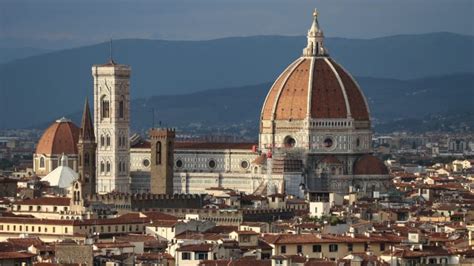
(289, 142)
(283, 249)
(200, 256)
(42, 162)
(382, 246)
(316, 248)
(108, 140)
(102, 167)
(105, 108)
(350, 247)
(299, 249)
(328, 142)
(65, 230)
(108, 167)
(212, 164)
(121, 109)
(185, 256)
(102, 141)
(333, 248)
(86, 159)
(54, 229)
(158, 153)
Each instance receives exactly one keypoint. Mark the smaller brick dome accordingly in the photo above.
(61, 137)
(370, 165)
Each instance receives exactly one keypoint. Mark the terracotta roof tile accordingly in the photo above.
(60, 137)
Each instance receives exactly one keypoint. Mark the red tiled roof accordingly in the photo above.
(213, 145)
(114, 244)
(244, 232)
(200, 145)
(24, 243)
(15, 255)
(153, 256)
(369, 165)
(58, 201)
(196, 247)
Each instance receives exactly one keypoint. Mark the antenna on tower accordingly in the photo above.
(111, 59)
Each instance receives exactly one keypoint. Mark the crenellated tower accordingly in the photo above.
(162, 160)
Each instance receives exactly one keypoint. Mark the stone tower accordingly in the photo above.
(86, 148)
(162, 161)
(111, 119)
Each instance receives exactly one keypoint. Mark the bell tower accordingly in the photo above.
(86, 148)
(111, 119)
(162, 160)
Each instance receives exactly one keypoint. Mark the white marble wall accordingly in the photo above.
(112, 82)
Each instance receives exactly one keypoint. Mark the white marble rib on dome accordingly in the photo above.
(62, 176)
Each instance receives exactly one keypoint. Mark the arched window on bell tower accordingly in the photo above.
(121, 108)
(105, 110)
(158, 153)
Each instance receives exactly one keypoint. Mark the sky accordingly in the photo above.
(53, 24)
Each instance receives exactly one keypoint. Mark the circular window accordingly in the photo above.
(212, 164)
(290, 142)
(179, 163)
(328, 142)
(244, 164)
(146, 162)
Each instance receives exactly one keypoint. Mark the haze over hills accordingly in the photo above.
(43, 87)
(394, 104)
(8, 54)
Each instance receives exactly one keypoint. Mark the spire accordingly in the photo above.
(87, 129)
(315, 38)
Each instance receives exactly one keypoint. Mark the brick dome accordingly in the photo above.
(315, 86)
(61, 137)
(369, 165)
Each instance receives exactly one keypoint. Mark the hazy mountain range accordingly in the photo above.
(411, 76)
